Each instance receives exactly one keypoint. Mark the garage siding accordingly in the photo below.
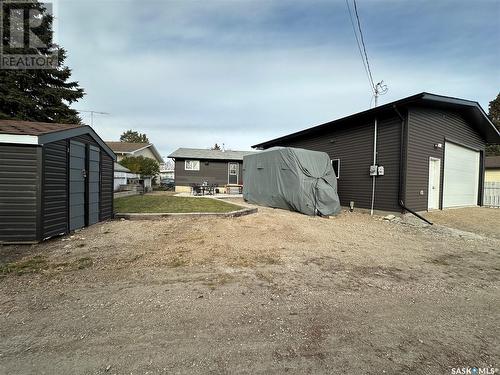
(352, 143)
(19, 192)
(427, 127)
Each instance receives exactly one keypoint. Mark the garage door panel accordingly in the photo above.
(461, 176)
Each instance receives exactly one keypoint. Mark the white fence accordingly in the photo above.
(492, 194)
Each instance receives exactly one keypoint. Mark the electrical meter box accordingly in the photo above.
(380, 170)
(373, 170)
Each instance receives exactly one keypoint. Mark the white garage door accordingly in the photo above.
(461, 176)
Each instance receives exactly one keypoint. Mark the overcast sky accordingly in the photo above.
(192, 73)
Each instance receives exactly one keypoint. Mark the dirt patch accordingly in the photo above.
(481, 220)
(268, 293)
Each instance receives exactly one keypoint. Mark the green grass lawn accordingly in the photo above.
(169, 204)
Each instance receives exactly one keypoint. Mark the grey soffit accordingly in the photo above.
(195, 153)
(469, 107)
(492, 162)
(50, 132)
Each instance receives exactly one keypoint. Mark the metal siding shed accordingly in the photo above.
(35, 179)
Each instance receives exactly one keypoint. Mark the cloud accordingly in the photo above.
(192, 73)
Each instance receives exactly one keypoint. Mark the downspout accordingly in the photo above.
(374, 163)
(401, 160)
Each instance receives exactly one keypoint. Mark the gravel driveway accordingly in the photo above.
(272, 292)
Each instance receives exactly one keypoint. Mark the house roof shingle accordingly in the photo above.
(119, 147)
(32, 128)
(492, 162)
(197, 153)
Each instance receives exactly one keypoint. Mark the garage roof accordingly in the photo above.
(39, 133)
(471, 109)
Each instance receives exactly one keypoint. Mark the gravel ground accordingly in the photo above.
(267, 293)
(480, 220)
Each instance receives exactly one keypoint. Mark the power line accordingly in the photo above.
(370, 81)
(363, 43)
(376, 89)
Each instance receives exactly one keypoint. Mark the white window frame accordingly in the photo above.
(338, 160)
(191, 169)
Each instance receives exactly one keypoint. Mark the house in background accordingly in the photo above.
(492, 169)
(167, 170)
(123, 149)
(196, 166)
(147, 150)
(421, 153)
(54, 178)
(122, 177)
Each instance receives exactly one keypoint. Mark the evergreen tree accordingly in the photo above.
(216, 147)
(133, 137)
(494, 115)
(37, 94)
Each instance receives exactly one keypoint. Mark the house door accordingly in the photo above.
(94, 184)
(77, 177)
(233, 169)
(434, 183)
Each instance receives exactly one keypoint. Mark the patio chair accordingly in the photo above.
(196, 189)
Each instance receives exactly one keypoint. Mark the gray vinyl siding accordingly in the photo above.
(352, 143)
(107, 172)
(55, 189)
(427, 127)
(212, 171)
(19, 192)
(388, 156)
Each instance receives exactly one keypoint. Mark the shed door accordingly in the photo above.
(77, 174)
(94, 184)
(461, 176)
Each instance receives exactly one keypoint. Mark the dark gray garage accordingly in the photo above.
(419, 153)
(54, 178)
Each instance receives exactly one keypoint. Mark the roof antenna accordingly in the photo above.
(92, 115)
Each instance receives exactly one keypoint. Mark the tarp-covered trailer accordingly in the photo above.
(293, 179)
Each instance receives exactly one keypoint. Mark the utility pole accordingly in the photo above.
(92, 115)
(379, 89)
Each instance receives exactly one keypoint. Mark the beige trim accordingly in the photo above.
(492, 175)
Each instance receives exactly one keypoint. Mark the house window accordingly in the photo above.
(336, 167)
(192, 165)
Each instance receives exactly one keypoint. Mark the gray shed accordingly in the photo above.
(54, 178)
(291, 178)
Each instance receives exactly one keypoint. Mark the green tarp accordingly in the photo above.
(293, 179)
